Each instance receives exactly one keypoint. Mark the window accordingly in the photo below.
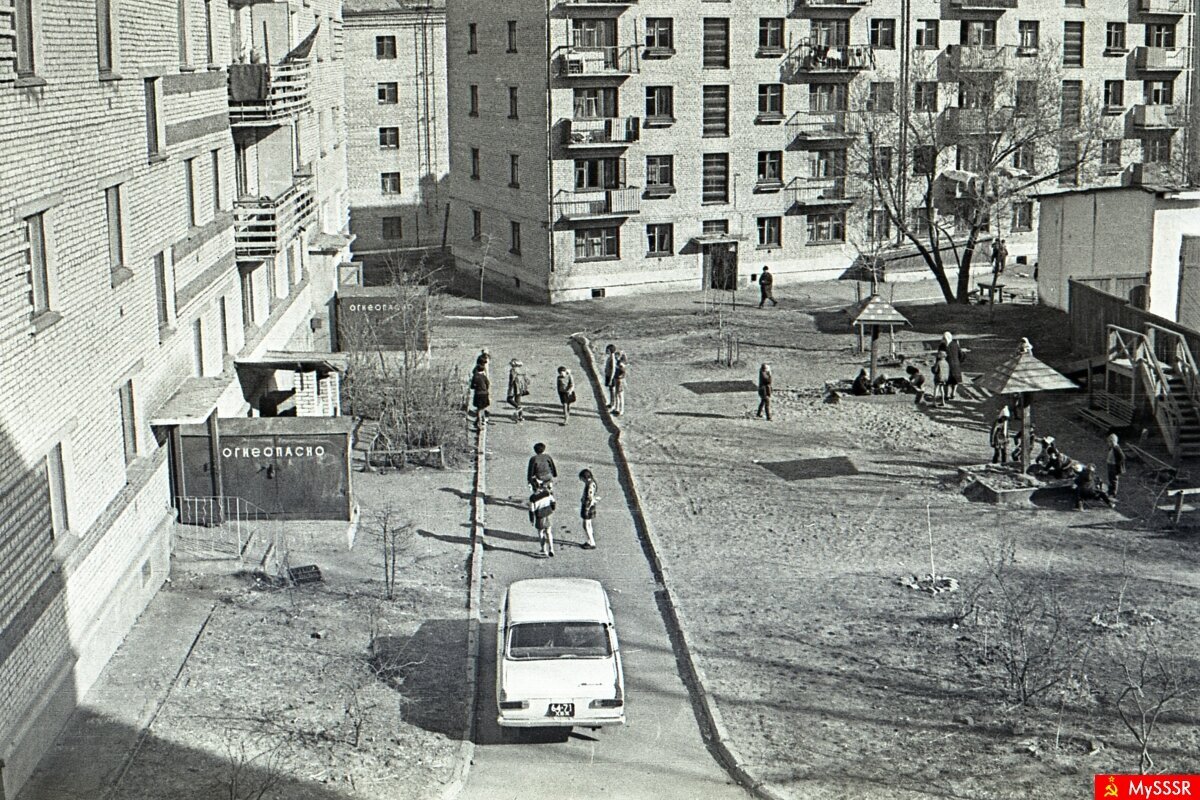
(716, 111)
(473, 110)
(56, 480)
(594, 33)
(246, 280)
(210, 56)
(512, 102)
(881, 162)
(514, 237)
(1114, 36)
(770, 231)
(597, 243)
(971, 157)
(1028, 35)
(595, 103)
(36, 240)
(198, 347)
(215, 167)
(714, 185)
(1023, 157)
(978, 32)
(881, 96)
(975, 95)
(1022, 216)
(882, 33)
(770, 100)
(389, 94)
(1160, 35)
(389, 138)
(714, 227)
(599, 173)
(660, 174)
(474, 163)
(879, 225)
(827, 164)
(512, 36)
(385, 47)
(926, 34)
(389, 182)
(770, 168)
(189, 191)
(104, 35)
(223, 321)
(1068, 163)
(925, 96)
(770, 35)
(1074, 3)
(1072, 44)
(182, 30)
(472, 38)
(660, 103)
(1156, 150)
(824, 97)
(716, 43)
(393, 228)
(829, 227)
(660, 34)
(660, 239)
(164, 292)
(1072, 103)
(830, 32)
(919, 221)
(1025, 98)
(26, 53)
(1114, 94)
(1110, 154)
(1158, 93)
(154, 132)
(116, 243)
(476, 224)
(924, 159)
(514, 170)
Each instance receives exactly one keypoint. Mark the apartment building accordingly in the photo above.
(154, 226)
(397, 128)
(691, 142)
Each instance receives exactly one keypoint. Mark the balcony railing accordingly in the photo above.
(569, 3)
(263, 226)
(1157, 117)
(818, 191)
(262, 93)
(833, 3)
(1164, 6)
(979, 57)
(808, 58)
(984, 3)
(1160, 59)
(578, 62)
(607, 132)
(966, 121)
(618, 202)
(821, 126)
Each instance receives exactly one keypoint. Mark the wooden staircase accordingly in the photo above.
(1188, 435)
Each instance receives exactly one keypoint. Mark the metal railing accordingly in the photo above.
(810, 57)
(607, 131)
(618, 202)
(287, 94)
(1164, 6)
(263, 226)
(984, 3)
(821, 125)
(962, 121)
(1166, 59)
(979, 57)
(217, 527)
(1156, 116)
(819, 3)
(817, 191)
(575, 61)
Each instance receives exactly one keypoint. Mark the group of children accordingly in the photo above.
(518, 388)
(540, 474)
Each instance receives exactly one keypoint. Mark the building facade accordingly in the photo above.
(691, 142)
(397, 128)
(153, 228)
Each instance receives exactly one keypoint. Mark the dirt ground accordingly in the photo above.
(789, 541)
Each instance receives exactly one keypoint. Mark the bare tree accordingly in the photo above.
(1152, 684)
(252, 771)
(393, 533)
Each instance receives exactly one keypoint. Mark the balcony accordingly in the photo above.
(599, 133)
(978, 58)
(597, 204)
(1157, 118)
(1175, 7)
(807, 192)
(264, 226)
(603, 62)
(814, 59)
(1160, 59)
(969, 5)
(853, 5)
(831, 127)
(262, 94)
(974, 121)
(581, 5)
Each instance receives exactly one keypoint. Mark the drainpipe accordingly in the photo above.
(905, 89)
(549, 153)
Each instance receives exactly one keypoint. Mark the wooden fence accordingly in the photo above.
(1093, 310)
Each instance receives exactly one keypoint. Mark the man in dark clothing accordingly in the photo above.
(765, 379)
(481, 394)
(766, 284)
(541, 470)
(861, 384)
(1116, 463)
(1086, 487)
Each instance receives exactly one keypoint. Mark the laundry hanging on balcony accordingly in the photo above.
(249, 82)
(302, 51)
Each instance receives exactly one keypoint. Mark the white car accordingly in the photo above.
(557, 659)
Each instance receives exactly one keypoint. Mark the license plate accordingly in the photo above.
(561, 710)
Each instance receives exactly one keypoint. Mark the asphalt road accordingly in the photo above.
(659, 754)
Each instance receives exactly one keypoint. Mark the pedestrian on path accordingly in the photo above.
(541, 506)
(610, 369)
(540, 470)
(941, 375)
(954, 357)
(620, 378)
(764, 390)
(766, 286)
(565, 383)
(518, 387)
(484, 361)
(999, 256)
(587, 507)
(1116, 463)
(999, 436)
(481, 394)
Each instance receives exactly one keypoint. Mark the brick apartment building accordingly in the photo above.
(397, 128)
(690, 142)
(152, 229)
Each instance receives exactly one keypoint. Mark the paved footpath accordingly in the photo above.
(660, 753)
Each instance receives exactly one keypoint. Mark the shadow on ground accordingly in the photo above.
(426, 669)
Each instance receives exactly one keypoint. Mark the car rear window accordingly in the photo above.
(534, 640)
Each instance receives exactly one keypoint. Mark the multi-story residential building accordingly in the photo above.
(155, 223)
(691, 142)
(397, 128)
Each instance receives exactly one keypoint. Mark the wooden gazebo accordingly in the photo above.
(876, 313)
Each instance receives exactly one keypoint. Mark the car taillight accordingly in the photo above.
(616, 702)
(513, 705)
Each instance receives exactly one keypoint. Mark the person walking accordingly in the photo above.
(620, 378)
(481, 394)
(764, 390)
(941, 375)
(954, 357)
(610, 369)
(999, 256)
(1116, 463)
(518, 387)
(565, 383)
(587, 507)
(1086, 487)
(766, 286)
(999, 436)
(541, 470)
(541, 507)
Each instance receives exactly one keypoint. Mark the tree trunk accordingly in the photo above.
(938, 268)
(964, 269)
